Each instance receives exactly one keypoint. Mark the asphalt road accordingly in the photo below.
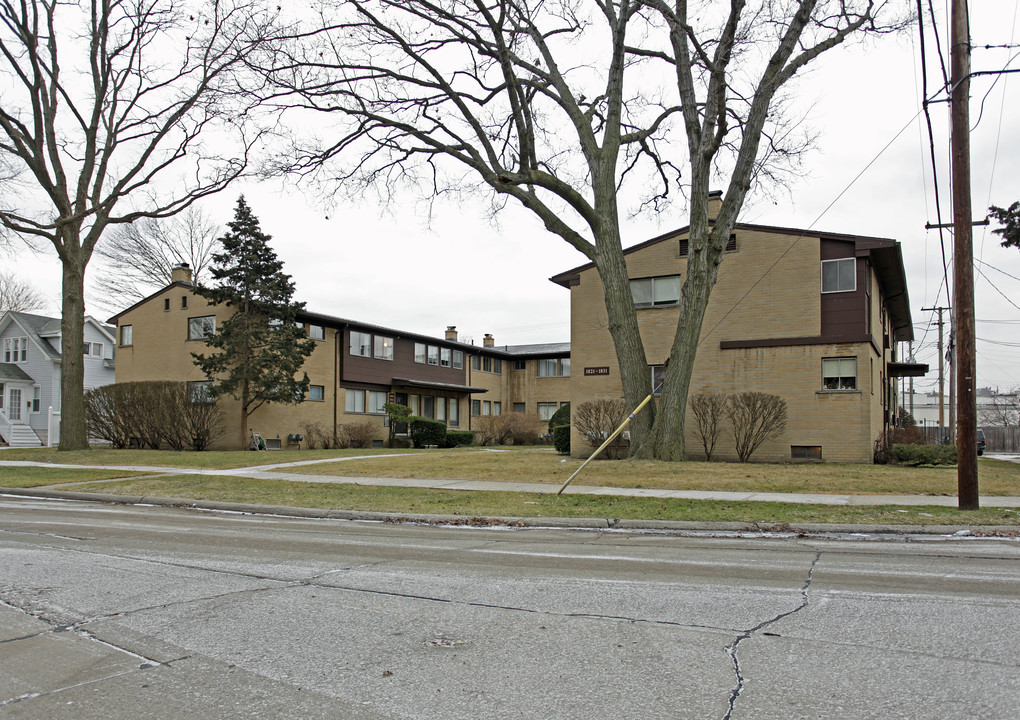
(148, 612)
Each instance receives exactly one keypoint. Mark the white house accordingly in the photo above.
(30, 351)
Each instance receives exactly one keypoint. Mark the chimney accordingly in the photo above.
(714, 204)
(489, 341)
(181, 273)
(451, 332)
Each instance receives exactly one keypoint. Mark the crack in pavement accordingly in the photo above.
(733, 648)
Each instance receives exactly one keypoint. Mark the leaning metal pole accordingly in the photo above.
(604, 445)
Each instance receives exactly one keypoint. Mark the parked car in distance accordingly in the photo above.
(980, 441)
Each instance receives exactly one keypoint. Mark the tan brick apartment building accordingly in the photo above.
(355, 369)
(811, 316)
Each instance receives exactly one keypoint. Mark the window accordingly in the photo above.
(441, 409)
(15, 350)
(520, 364)
(316, 332)
(497, 407)
(476, 407)
(316, 392)
(430, 406)
(547, 367)
(184, 302)
(658, 375)
(200, 391)
(354, 401)
(92, 349)
(486, 407)
(1, 396)
(839, 275)
(201, 327)
(497, 366)
(564, 367)
(546, 410)
(445, 357)
(476, 362)
(361, 344)
(377, 402)
(419, 352)
(36, 398)
(519, 407)
(809, 452)
(655, 292)
(839, 373)
(458, 359)
(166, 304)
(125, 335)
(731, 245)
(383, 348)
(454, 412)
(433, 356)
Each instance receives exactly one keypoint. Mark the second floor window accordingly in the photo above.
(839, 275)
(201, 327)
(361, 344)
(383, 347)
(15, 350)
(656, 291)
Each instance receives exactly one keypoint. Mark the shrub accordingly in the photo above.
(709, 409)
(598, 419)
(561, 439)
(560, 417)
(455, 438)
(317, 436)
(155, 412)
(924, 454)
(426, 433)
(355, 435)
(508, 429)
(755, 417)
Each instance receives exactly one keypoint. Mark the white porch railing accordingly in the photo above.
(5, 426)
(53, 427)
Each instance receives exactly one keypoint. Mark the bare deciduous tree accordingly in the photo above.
(106, 110)
(567, 107)
(1003, 411)
(596, 421)
(18, 295)
(709, 410)
(755, 418)
(138, 258)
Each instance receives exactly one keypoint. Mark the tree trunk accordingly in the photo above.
(73, 435)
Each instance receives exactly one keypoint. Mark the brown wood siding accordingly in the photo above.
(843, 314)
(357, 369)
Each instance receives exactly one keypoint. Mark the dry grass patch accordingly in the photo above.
(541, 465)
(30, 477)
(468, 505)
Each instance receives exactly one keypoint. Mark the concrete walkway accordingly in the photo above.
(277, 471)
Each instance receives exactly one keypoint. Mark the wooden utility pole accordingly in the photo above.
(963, 261)
(942, 376)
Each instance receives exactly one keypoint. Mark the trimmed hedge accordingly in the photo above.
(925, 454)
(455, 438)
(561, 439)
(427, 433)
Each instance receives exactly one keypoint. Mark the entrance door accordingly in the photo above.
(14, 405)
(400, 428)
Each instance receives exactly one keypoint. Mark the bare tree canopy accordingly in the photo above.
(116, 110)
(138, 258)
(17, 295)
(570, 107)
(1002, 411)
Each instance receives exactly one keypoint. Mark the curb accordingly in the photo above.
(616, 524)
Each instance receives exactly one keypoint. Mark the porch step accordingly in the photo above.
(22, 436)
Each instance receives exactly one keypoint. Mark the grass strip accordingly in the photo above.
(213, 460)
(332, 496)
(29, 477)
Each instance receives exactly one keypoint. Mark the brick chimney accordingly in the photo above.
(714, 204)
(488, 340)
(451, 332)
(181, 273)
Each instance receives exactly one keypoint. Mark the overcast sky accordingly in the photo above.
(871, 175)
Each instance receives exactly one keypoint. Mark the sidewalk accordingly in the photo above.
(273, 472)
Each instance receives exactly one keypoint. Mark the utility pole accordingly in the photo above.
(963, 261)
(942, 376)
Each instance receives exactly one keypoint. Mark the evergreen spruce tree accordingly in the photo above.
(260, 348)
